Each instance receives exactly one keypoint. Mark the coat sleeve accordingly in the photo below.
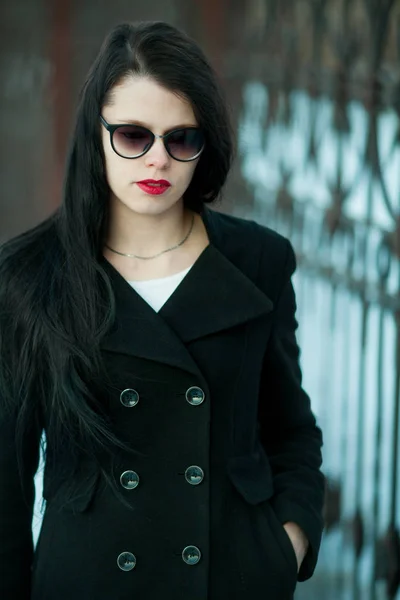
(17, 496)
(288, 429)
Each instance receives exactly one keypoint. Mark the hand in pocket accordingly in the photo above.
(298, 539)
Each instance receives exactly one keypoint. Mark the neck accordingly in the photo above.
(147, 234)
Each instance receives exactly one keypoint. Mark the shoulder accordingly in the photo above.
(27, 259)
(259, 239)
(265, 256)
(34, 239)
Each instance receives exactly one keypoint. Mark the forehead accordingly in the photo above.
(143, 99)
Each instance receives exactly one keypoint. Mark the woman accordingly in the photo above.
(153, 340)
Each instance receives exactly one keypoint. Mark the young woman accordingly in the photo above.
(152, 340)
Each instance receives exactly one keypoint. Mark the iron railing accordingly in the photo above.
(319, 142)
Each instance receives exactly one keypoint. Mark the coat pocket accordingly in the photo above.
(281, 537)
(252, 476)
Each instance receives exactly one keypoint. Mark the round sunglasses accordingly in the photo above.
(133, 141)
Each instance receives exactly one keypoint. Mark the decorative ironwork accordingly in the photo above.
(387, 561)
(319, 150)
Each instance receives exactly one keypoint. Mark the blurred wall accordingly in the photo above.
(46, 48)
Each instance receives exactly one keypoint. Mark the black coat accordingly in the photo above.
(209, 391)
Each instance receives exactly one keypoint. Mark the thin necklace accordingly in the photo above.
(163, 251)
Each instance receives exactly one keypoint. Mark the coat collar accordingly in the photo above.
(214, 295)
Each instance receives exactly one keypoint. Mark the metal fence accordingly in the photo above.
(319, 89)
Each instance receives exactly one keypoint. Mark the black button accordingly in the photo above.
(194, 475)
(126, 561)
(191, 555)
(129, 480)
(129, 397)
(195, 395)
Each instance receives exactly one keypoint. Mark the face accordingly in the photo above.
(144, 102)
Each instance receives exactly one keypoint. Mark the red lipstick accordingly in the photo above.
(154, 187)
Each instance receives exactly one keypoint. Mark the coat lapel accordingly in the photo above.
(215, 295)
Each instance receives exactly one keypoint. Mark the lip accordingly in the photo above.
(153, 190)
(163, 182)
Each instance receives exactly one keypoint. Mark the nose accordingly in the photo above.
(157, 155)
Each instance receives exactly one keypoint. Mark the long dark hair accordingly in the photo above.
(56, 301)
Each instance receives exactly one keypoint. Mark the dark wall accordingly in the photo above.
(46, 48)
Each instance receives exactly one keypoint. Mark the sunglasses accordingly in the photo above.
(132, 141)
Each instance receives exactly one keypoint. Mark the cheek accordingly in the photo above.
(117, 172)
(188, 173)
(115, 168)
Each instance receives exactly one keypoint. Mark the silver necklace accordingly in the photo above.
(162, 252)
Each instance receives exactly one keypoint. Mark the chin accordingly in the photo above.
(153, 205)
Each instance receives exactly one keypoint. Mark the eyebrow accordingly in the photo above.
(147, 126)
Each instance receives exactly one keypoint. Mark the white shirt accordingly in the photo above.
(157, 291)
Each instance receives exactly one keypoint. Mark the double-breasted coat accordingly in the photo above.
(208, 390)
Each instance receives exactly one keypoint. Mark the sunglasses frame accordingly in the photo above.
(112, 128)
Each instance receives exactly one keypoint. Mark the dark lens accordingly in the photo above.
(184, 144)
(131, 140)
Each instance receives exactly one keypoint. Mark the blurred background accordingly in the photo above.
(314, 90)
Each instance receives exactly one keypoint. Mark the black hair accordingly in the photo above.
(56, 301)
